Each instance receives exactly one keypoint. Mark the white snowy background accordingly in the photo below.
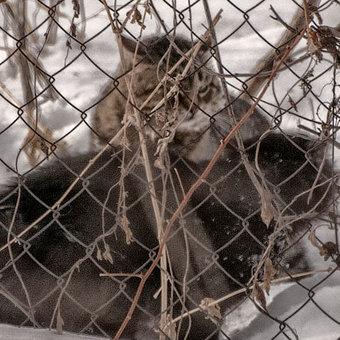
(81, 82)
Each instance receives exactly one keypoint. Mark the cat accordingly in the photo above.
(198, 111)
(214, 244)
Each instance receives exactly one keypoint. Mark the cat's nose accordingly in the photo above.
(192, 110)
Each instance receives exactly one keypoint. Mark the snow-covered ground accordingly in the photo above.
(80, 84)
(8, 332)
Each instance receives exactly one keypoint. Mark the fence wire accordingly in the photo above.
(165, 165)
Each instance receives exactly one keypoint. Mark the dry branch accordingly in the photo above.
(297, 24)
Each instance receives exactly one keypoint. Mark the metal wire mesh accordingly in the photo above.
(116, 205)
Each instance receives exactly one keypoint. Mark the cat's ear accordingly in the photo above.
(130, 46)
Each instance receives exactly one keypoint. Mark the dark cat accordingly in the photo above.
(206, 257)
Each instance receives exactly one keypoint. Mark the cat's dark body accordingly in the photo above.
(225, 205)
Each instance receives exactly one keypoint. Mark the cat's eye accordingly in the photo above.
(203, 90)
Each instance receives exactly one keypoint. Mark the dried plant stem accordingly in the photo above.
(9, 94)
(298, 23)
(29, 89)
(180, 182)
(306, 13)
(313, 132)
(147, 166)
(120, 275)
(35, 128)
(158, 217)
(11, 255)
(14, 300)
(192, 53)
(56, 311)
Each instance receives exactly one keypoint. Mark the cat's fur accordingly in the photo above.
(212, 247)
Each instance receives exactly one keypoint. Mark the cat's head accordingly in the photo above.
(183, 104)
(170, 85)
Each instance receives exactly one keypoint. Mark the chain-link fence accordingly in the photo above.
(169, 169)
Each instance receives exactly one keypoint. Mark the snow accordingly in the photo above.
(80, 84)
(285, 299)
(14, 333)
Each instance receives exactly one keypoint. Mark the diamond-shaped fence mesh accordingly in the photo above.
(170, 169)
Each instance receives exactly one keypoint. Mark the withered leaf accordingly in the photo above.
(68, 44)
(160, 120)
(73, 30)
(328, 249)
(159, 163)
(335, 32)
(125, 225)
(292, 103)
(259, 296)
(269, 273)
(147, 7)
(214, 310)
(329, 40)
(76, 8)
(44, 147)
(314, 37)
(313, 44)
(107, 253)
(99, 255)
(136, 17)
(267, 209)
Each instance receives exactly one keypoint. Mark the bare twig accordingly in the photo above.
(312, 131)
(120, 275)
(298, 23)
(11, 255)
